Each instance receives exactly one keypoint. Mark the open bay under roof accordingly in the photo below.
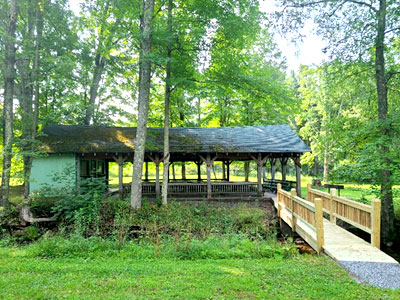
(277, 140)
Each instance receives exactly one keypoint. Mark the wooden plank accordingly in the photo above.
(355, 224)
(376, 223)
(319, 193)
(361, 206)
(319, 224)
(304, 203)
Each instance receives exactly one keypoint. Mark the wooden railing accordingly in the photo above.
(362, 216)
(199, 188)
(309, 213)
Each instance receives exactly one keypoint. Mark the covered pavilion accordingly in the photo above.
(91, 148)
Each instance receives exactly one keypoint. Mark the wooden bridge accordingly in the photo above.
(314, 219)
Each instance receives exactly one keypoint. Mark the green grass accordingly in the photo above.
(301, 277)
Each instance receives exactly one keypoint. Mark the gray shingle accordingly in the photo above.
(246, 139)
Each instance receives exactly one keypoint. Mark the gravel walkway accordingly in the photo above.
(380, 274)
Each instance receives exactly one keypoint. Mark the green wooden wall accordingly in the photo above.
(44, 169)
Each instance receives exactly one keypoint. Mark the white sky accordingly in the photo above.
(307, 52)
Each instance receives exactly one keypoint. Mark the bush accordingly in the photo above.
(217, 247)
(180, 219)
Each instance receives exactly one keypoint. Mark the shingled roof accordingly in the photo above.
(246, 139)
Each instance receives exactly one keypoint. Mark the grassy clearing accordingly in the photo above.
(304, 277)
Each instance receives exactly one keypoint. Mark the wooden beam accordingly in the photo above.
(283, 167)
(120, 159)
(376, 223)
(273, 168)
(319, 224)
(260, 162)
(209, 161)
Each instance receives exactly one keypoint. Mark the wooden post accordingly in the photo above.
(296, 161)
(319, 224)
(209, 162)
(228, 163)
(273, 169)
(283, 167)
(278, 199)
(292, 205)
(332, 217)
(308, 198)
(183, 171)
(157, 163)
(146, 172)
(259, 178)
(198, 171)
(173, 171)
(78, 174)
(120, 159)
(376, 223)
(208, 176)
(260, 162)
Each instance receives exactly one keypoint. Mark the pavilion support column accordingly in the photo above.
(78, 173)
(297, 164)
(273, 168)
(183, 171)
(173, 171)
(146, 171)
(263, 171)
(198, 163)
(223, 170)
(120, 159)
(228, 164)
(156, 160)
(209, 162)
(283, 167)
(260, 163)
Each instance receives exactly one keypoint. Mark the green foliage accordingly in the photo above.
(186, 220)
(215, 247)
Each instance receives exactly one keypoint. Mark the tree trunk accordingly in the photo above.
(326, 164)
(35, 103)
(100, 62)
(9, 76)
(387, 216)
(143, 103)
(166, 109)
(26, 89)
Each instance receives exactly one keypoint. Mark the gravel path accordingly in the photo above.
(383, 275)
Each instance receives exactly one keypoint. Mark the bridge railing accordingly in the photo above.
(362, 216)
(309, 213)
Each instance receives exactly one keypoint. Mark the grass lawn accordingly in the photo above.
(302, 277)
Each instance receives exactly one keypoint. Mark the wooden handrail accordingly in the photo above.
(360, 215)
(310, 213)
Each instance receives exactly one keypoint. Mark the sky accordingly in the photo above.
(307, 52)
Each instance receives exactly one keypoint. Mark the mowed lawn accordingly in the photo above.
(302, 277)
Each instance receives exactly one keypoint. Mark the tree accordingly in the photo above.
(358, 30)
(166, 103)
(9, 77)
(146, 25)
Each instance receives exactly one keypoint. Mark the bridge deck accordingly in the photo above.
(358, 257)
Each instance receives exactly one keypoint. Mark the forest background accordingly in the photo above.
(216, 63)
